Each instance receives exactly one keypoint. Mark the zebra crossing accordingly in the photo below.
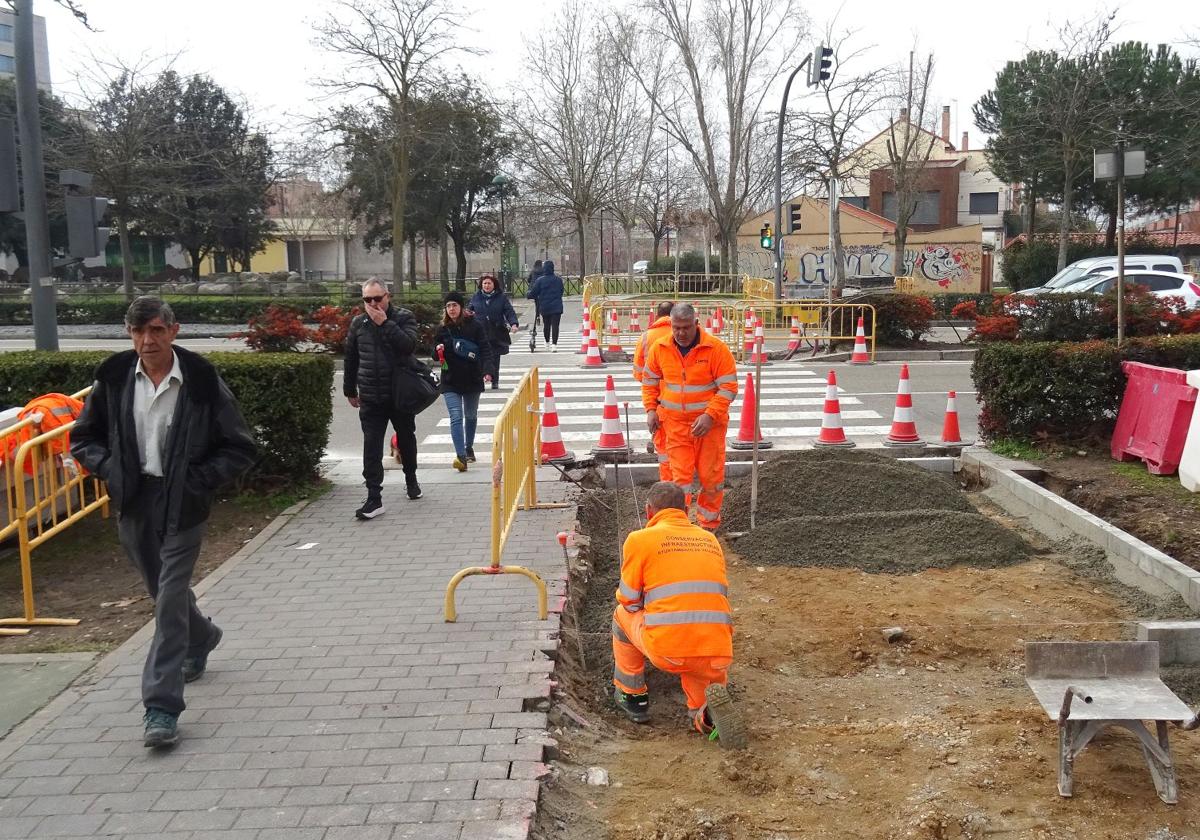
(569, 340)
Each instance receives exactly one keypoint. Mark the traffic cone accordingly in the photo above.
(748, 335)
(904, 428)
(860, 355)
(587, 331)
(794, 339)
(746, 430)
(635, 323)
(832, 433)
(611, 438)
(951, 436)
(614, 334)
(719, 321)
(593, 358)
(759, 356)
(552, 443)
(708, 325)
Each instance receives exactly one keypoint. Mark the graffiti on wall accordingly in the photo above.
(952, 267)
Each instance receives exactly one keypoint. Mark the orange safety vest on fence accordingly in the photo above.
(684, 387)
(658, 330)
(675, 572)
(56, 410)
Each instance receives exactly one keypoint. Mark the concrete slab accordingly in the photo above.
(1178, 641)
(29, 681)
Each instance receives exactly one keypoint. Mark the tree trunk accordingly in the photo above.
(1029, 231)
(347, 246)
(1110, 233)
(303, 265)
(837, 253)
(460, 259)
(412, 260)
(444, 269)
(1064, 224)
(629, 248)
(399, 203)
(582, 246)
(654, 254)
(194, 256)
(126, 257)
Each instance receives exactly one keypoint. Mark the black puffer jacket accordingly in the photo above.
(372, 351)
(464, 376)
(208, 446)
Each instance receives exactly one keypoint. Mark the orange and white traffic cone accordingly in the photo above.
(553, 449)
(719, 320)
(860, 355)
(794, 338)
(746, 426)
(614, 334)
(951, 436)
(593, 358)
(760, 355)
(708, 325)
(748, 336)
(904, 427)
(635, 323)
(832, 433)
(611, 438)
(585, 332)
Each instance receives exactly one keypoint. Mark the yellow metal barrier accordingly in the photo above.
(759, 288)
(60, 498)
(516, 448)
(602, 311)
(819, 323)
(905, 285)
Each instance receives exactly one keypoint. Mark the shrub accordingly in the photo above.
(690, 262)
(1064, 390)
(944, 305)
(967, 310)
(994, 328)
(900, 318)
(284, 398)
(332, 325)
(278, 330)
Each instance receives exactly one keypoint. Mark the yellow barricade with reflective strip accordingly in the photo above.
(819, 323)
(516, 448)
(602, 314)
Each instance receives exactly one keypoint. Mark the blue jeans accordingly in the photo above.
(463, 410)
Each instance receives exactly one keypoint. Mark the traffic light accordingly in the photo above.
(794, 218)
(818, 68)
(766, 238)
(85, 215)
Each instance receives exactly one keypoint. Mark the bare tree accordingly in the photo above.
(395, 50)
(910, 143)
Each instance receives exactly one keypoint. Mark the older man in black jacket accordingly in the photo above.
(380, 339)
(165, 433)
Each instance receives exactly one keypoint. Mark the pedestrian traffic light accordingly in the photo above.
(818, 68)
(794, 218)
(85, 215)
(767, 238)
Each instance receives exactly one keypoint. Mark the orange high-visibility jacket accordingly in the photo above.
(675, 572)
(659, 329)
(705, 381)
(56, 410)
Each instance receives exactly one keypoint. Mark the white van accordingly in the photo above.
(1078, 271)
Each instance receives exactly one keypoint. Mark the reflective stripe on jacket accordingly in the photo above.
(675, 572)
(705, 381)
(657, 330)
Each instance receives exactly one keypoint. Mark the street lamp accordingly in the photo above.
(501, 182)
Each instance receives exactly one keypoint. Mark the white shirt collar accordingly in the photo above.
(176, 371)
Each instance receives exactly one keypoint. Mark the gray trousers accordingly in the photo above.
(166, 563)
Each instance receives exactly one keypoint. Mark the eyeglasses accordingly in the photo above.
(373, 299)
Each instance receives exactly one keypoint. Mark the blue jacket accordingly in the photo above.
(496, 314)
(547, 290)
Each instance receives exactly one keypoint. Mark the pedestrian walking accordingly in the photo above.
(164, 432)
(533, 325)
(547, 294)
(493, 309)
(379, 341)
(461, 345)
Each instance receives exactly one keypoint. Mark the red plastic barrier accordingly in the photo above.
(1155, 413)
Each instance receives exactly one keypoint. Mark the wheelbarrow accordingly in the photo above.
(1086, 687)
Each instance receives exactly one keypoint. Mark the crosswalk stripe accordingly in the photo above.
(596, 405)
(643, 434)
(580, 420)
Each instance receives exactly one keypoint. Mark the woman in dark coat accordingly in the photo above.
(493, 309)
(547, 290)
(461, 345)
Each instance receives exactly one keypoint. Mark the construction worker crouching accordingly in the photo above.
(673, 609)
(689, 383)
(660, 329)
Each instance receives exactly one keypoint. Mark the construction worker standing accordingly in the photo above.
(689, 382)
(660, 329)
(673, 609)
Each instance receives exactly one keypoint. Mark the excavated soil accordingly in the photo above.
(935, 736)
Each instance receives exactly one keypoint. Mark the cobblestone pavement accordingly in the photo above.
(339, 704)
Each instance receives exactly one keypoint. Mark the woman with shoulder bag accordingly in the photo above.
(462, 346)
(493, 309)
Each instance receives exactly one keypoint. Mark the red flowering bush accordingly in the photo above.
(968, 310)
(279, 329)
(332, 325)
(995, 328)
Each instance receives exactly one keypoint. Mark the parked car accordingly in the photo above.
(640, 266)
(1160, 284)
(1080, 269)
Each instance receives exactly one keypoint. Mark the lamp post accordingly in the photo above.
(501, 182)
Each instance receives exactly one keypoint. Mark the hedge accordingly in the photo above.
(285, 397)
(218, 310)
(1065, 390)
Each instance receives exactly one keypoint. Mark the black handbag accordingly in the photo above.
(414, 386)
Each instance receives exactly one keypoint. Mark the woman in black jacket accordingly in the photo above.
(462, 346)
(493, 309)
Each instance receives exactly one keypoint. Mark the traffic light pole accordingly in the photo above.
(33, 181)
(778, 249)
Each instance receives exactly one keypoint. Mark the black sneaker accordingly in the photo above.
(414, 489)
(371, 508)
(635, 706)
(470, 455)
(162, 728)
(195, 666)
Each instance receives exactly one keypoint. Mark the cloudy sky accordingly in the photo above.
(267, 51)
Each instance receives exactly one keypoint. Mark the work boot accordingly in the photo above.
(460, 464)
(721, 718)
(162, 728)
(371, 508)
(195, 666)
(635, 706)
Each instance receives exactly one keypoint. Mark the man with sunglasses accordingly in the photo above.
(379, 340)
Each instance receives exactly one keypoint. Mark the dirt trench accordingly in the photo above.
(934, 736)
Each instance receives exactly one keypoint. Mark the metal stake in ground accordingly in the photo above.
(757, 431)
(637, 508)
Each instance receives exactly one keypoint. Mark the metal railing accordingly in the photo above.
(516, 445)
(46, 493)
(715, 314)
(818, 322)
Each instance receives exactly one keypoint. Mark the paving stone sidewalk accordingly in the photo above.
(339, 704)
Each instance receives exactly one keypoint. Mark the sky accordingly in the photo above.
(267, 51)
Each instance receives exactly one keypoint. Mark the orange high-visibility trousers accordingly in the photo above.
(696, 673)
(703, 458)
(660, 447)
